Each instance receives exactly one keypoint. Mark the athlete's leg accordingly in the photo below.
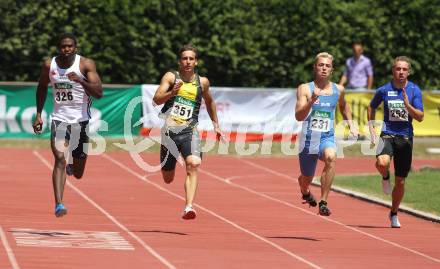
(58, 173)
(328, 172)
(383, 165)
(398, 192)
(168, 164)
(383, 157)
(79, 154)
(59, 145)
(192, 163)
(402, 166)
(307, 163)
(304, 183)
(169, 153)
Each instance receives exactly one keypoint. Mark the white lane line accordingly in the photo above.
(229, 179)
(278, 247)
(8, 249)
(109, 216)
(310, 213)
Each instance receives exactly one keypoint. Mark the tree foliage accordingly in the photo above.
(252, 43)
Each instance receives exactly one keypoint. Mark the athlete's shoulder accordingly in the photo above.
(169, 77)
(303, 89)
(86, 61)
(384, 88)
(414, 86)
(304, 85)
(47, 62)
(340, 87)
(204, 81)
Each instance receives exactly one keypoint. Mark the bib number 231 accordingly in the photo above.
(320, 121)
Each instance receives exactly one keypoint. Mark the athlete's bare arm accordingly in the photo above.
(210, 105)
(41, 95)
(304, 102)
(162, 93)
(92, 85)
(344, 107)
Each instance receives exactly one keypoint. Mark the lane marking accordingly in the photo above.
(229, 179)
(70, 239)
(8, 249)
(109, 216)
(145, 179)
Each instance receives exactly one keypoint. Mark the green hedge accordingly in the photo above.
(242, 43)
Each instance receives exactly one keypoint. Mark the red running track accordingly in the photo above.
(249, 216)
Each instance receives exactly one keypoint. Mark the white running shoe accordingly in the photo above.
(189, 213)
(394, 221)
(386, 186)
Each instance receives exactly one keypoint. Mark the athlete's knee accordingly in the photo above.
(192, 163)
(60, 160)
(383, 161)
(330, 158)
(400, 182)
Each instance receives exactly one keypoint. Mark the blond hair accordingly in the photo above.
(323, 55)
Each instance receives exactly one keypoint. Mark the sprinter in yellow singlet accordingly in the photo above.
(181, 92)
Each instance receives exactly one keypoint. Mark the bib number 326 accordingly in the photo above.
(63, 93)
(63, 96)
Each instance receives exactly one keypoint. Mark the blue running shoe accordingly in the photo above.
(69, 169)
(60, 210)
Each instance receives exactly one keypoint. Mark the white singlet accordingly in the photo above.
(71, 103)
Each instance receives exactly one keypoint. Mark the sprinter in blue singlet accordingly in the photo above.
(315, 106)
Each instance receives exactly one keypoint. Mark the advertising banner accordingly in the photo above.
(18, 109)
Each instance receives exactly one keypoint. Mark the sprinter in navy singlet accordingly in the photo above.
(402, 101)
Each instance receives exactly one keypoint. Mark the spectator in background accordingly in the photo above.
(358, 70)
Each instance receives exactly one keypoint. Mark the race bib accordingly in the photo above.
(397, 111)
(182, 109)
(320, 121)
(63, 93)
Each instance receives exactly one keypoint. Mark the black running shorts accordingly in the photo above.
(66, 130)
(186, 143)
(400, 149)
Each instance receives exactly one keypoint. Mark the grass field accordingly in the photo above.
(422, 189)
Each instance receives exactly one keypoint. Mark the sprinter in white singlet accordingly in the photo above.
(74, 82)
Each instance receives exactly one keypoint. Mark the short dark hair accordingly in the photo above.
(188, 47)
(64, 36)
